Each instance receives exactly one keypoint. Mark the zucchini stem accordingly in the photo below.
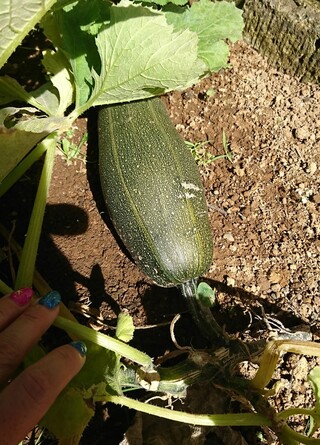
(202, 314)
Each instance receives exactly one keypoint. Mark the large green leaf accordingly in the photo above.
(142, 56)
(17, 18)
(214, 22)
(126, 51)
(73, 29)
(47, 97)
(55, 64)
(165, 2)
(68, 416)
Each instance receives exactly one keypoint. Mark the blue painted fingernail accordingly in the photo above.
(51, 300)
(80, 347)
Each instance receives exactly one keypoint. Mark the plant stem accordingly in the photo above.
(294, 412)
(202, 314)
(4, 288)
(21, 168)
(267, 366)
(78, 331)
(291, 437)
(105, 341)
(245, 419)
(39, 282)
(29, 253)
(271, 354)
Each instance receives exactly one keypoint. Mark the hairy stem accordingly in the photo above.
(245, 419)
(105, 341)
(30, 249)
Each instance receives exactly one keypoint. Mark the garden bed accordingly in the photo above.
(264, 209)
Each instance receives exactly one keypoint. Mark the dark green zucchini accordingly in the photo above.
(153, 192)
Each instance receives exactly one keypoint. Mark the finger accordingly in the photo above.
(26, 400)
(23, 333)
(12, 305)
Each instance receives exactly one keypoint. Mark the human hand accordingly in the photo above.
(25, 400)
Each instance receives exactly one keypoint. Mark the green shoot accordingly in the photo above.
(205, 294)
(199, 301)
(203, 157)
(70, 150)
(210, 92)
(200, 153)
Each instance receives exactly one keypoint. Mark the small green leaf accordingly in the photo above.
(125, 327)
(210, 92)
(97, 393)
(101, 365)
(206, 294)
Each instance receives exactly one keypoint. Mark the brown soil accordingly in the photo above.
(264, 209)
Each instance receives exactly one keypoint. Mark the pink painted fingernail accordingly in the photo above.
(22, 296)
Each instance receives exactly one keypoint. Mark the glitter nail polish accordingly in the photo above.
(22, 296)
(80, 347)
(50, 300)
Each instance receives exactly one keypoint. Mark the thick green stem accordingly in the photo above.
(30, 248)
(245, 419)
(39, 282)
(21, 168)
(105, 341)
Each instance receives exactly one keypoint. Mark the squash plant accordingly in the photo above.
(106, 53)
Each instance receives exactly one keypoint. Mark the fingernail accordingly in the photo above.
(80, 347)
(22, 296)
(51, 300)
